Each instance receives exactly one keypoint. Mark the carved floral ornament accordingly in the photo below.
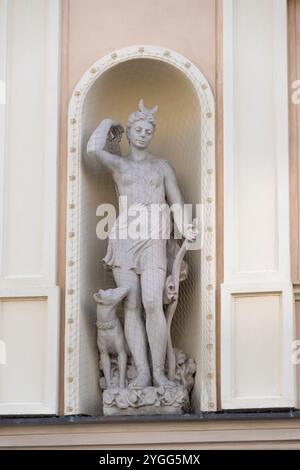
(207, 107)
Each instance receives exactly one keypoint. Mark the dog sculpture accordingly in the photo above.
(110, 337)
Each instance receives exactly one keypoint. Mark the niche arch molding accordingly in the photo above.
(77, 399)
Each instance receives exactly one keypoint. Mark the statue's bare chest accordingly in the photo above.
(143, 175)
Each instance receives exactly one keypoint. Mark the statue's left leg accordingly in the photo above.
(152, 284)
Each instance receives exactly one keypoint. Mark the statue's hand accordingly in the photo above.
(190, 232)
(111, 128)
(115, 132)
(108, 132)
(170, 294)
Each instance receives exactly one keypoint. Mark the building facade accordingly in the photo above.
(225, 74)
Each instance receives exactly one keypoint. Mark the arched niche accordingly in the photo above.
(185, 135)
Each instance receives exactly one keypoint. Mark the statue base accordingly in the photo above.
(172, 400)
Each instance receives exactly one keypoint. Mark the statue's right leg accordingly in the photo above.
(135, 332)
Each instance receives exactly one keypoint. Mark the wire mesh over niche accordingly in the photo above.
(185, 137)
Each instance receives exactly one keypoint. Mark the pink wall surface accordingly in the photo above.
(98, 27)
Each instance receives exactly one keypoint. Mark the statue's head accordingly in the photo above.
(141, 126)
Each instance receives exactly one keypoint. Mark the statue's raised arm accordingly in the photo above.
(104, 144)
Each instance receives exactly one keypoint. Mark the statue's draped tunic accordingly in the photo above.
(147, 249)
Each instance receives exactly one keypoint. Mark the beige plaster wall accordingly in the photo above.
(297, 311)
(94, 28)
(97, 27)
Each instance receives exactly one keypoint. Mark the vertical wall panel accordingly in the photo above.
(256, 208)
(25, 124)
(257, 351)
(23, 326)
(29, 145)
(3, 45)
(29, 69)
(254, 127)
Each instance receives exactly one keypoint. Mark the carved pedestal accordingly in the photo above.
(146, 401)
(169, 400)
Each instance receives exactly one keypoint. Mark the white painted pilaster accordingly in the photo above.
(257, 303)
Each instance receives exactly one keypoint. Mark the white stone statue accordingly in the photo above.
(141, 265)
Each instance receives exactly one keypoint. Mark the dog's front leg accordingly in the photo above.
(105, 360)
(122, 361)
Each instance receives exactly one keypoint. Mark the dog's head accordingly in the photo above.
(111, 296)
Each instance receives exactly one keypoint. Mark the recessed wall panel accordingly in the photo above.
(257, 358)
(25, 138)
(23, 330)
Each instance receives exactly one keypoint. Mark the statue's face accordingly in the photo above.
(140, 134)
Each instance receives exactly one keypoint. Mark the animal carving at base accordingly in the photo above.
(110, 335)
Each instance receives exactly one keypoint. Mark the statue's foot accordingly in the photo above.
(142, 380)
(160, 380)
